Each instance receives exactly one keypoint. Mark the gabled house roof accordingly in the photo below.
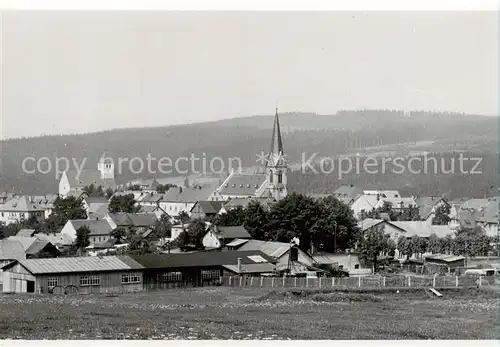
(187, 195)
(398, 202)
(134, 219)
(208, 207)
(423, 229)
(271, 248)
(347, 191)
(11, 250)
(25, 232)
(368, 223)
(20, 204)
(26, 242)
(55, 239)
(232, 232)
(96, 227)
(39, 246)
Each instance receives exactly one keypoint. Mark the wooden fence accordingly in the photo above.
(357, 282)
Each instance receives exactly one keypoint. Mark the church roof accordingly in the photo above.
(242, 184)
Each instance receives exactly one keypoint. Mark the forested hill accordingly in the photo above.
(366, 131)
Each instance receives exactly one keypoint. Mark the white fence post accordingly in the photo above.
(320, 282)
(241, 278)
(295, 282)
(272, 282)
(359, 281)
(383, 280)
(456, 281)
(261, 280)
(230, 280)
(284, 281)
(333, 281)
(480, 278)
(434, 282)
(307, 282)
(251, 280)
(409, 281)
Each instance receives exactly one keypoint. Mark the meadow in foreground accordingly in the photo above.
(239, 313)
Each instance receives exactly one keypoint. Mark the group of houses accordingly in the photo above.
(32, 262)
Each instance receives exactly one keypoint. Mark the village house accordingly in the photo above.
(180, 199)
(270, 182)
(74, 181)
(348, 262)
(387, 194)
(106, 274)
(34, 247)
(220, 236)
(289, 257)
(205, 209)
(45, 202)
(347, 193)
(141, 222)
(427, 206)
(363, 204)
(100, 230)
(233, 203)
(95, 207)
(397, 204)
(20, 208)
(382, 225)
(200, 268)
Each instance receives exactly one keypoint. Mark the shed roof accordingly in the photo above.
(79, 264)
(198, 259)
(444, 257)
(271, 248)
(252, 268)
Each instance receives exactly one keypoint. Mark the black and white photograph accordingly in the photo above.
(249, 175)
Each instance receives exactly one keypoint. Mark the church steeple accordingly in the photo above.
(276, 141)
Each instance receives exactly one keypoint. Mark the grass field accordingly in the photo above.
(239, 313)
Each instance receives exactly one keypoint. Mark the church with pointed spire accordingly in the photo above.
(269, 183)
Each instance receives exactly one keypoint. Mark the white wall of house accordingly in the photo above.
(210, 240)
(10, 217)
(282, 262)
(64, 186)
(69, 229)
(364, 203)
(175, 208)
(93, 239)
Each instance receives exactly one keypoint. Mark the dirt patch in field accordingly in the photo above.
(376, 295)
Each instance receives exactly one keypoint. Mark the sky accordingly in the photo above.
(75, 72)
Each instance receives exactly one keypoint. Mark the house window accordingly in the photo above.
(95, 280)
(90, 281)
(2, 214)
(210, 274)
(171, 276)
(280, 177)
(270, 177)
(341, 267)
(131, 278)
(356, 266)
(52, 281)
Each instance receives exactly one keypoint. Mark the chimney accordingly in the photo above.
(239, 265)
